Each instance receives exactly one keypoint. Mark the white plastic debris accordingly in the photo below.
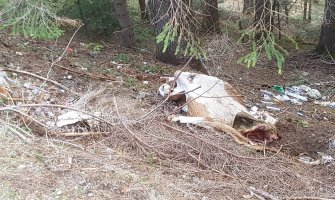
(69, 77)
(254, 109)
(71, 117)
(314, 94)
(295, 102)
(308, 160)
(267, 92)
(305, 88)
(118, 67)
(297, 96)
(267, 97)
(19, 53)
(145, 82)
(272, 108)
(282, 97)
(332, 144)
(325, 159)
(326, 103)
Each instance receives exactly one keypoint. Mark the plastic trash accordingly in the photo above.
(279, 89)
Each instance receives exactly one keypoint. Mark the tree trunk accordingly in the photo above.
(122, 15)
(310, 11)
(304, 18)
(159, 17)
(263, 15)
(248, 6)
(326, 39)
(143, 9)
(211, 19)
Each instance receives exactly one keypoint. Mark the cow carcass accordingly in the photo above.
(214, 102)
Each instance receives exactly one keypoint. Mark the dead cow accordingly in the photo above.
(211, 101)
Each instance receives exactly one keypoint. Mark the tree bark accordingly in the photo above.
(304, 18)
(159, 17)
(211, 20)
(122, 15)
(248, 6)
(263, 15)
(310, 11)
(326, 39)
(143, 9)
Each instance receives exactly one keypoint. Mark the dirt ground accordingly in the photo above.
(87, 168)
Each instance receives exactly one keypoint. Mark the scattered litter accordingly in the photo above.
(118, 67)
(266, 92)
(267, 97)
(282, 97)
(19, 53)
(297, 96)
(300, 114)
(295, 102)
(279, 89)
(314, 94)
(308, 160)
(69, 77)
(145, 82)
(326, 103)
(332, 144)
(272, 108)
(325, 159)
(145, 63)
(71, 117)
(254, 109)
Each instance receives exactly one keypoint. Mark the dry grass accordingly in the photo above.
(144, 159)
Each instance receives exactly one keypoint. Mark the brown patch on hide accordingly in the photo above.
(233, 93)
(263, 133)
(197, 110)
(4, 92)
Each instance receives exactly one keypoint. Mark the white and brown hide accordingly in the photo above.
(216, 103)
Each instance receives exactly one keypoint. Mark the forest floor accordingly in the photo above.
(114, 166)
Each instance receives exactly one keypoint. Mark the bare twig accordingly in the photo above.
(212, 144)
(133, 134)
(263, 193)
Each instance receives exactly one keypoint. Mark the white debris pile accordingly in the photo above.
(296, 95)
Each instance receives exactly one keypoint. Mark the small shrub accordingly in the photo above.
(121, 57)
(95, 47)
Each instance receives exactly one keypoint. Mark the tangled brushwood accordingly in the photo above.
(190, 149)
